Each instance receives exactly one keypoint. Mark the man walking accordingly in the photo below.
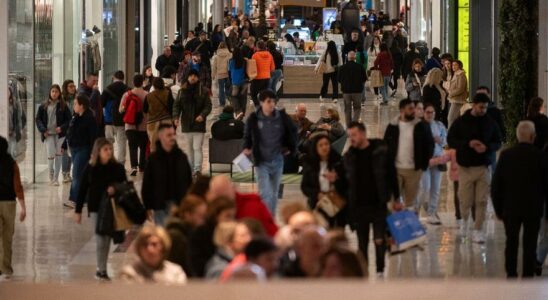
(474, 136)
(167, 176)
(352, 77)
(115, 130)
(373, 183)
(520, 192)
(269, 135)
(411, 146)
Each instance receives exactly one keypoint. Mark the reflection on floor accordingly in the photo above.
(49, 246)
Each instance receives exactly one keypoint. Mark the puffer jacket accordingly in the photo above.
(219, 65)
(188, 107)
(458, 88)
(265, 64)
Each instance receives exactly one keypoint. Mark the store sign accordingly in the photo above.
(329, 16)
(309, 3)
(464, 34)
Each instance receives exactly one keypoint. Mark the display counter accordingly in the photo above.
(299, 77)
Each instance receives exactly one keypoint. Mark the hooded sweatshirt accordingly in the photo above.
(219, 66)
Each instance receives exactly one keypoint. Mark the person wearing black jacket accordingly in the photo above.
(115, 130)
(355, 44)
(167, 176)
(323, 172)
(494, 112)
(95, 189)
(372, 183)
(269, 135)
(52, 121)
(474, 136)
(205, 49)
(277, 74)
(411, 146)
(81, 136)
(397, 60)
(408, 59)
(519, 191)
(352, 77)
(535, 113)
(166, 59)
(227, 128)
(90, 89)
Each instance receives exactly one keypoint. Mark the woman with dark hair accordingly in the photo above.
(384, 63)
(331, 60)
(236, 67)
(52, 121)
(216, 36)
(415, 81)
(535, 113)
(458, 91)
(149, 77)
(291, 45)
(69, 94)
(329, 124)
(323, 172)
(102, 172)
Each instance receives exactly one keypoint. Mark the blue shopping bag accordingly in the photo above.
(406, 229)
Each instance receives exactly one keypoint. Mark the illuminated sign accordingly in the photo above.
(464, 34)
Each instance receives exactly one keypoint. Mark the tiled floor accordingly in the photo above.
(50, 247)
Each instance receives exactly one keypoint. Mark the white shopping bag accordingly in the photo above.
(242, 163)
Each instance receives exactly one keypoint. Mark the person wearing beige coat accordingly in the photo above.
(458, 91)
(219, 71)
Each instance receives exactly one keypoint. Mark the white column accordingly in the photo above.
(171, 19)
(155, 34)
(4, 58)
(193, 13)
(58, 37)
(436, 24)
(218, 12)
(415, 20)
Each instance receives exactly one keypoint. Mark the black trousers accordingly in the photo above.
(334, 84)
(257, 86)
(456, 201)
(531, 228)
(377, 218)
(137, 141)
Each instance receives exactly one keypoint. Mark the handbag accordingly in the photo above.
(251, 68)
(376, 79)
(121, 220)
(330, 203)
(321, 67)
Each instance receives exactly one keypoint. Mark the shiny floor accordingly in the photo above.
(50, 247)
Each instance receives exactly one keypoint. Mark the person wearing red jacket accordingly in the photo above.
(385, 64)
(247, 205)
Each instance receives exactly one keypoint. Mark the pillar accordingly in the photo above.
(218, 12)
(543, 52)
(193, 13)
(171, 20)
(4, 58)
(481, 45)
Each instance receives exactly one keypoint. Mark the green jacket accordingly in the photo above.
(188, 109)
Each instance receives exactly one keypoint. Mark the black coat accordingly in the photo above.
(423, 143)
(520, 184)
(384, 171)
(95, 182)
(252, 135)
(496, 114)
(191, 104)
(201, 248)
(114, 92)
(225, 130)
(430, 94)
(166, 179)
(62, 116)
(163, 61)
(352, 77)
(467, 128)
(310, 184)
(82, 131)
(397, 59)
(541, 127)
(179, 233)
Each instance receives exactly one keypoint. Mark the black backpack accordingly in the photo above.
(126, 197)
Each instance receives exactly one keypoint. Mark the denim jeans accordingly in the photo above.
(80, 158)
(67, 163)
(102, 248)
(269, 176)
(429, 192)
(384, 89)
(193, 149)
(224, 90)
(239, 97)
(53, 150)
(275, 77)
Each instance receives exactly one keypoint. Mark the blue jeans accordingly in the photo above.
(80, 158)
(160, 217)
(224, 90)
(384, 89)
(67, 162)
(269, 176)
(275, 77)
(429, 191)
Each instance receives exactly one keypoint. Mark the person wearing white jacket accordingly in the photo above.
(331, 60)
(219, 71)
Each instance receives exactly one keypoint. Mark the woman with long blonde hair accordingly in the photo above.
(433, 92)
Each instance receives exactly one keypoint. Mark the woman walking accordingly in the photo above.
(384, 63)
(102, 172)
(331, 60)
(236, 66)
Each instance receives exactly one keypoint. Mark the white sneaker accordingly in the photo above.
(66, 178)
(321, 99)
(434, 220)
(55, 183)
(478, 237)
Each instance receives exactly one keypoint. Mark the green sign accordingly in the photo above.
(464, 34)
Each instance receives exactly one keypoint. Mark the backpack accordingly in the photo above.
(137, 117)
(126, 197)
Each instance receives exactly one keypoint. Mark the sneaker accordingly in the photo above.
(55, 183)
(66, 178)
(478, 237)
(69, 204)
(335, 101)
(321, 99)
(133, 172)
(102, 276)
(434, 220)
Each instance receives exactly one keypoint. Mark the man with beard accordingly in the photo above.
(411, 146)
